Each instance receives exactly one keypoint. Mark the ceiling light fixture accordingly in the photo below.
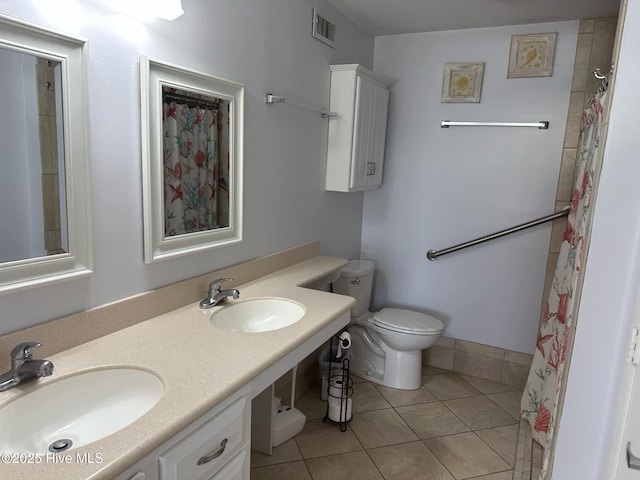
(167, 9)
(147, 10)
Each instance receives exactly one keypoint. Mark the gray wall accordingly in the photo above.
(446, 186)
(265, 45)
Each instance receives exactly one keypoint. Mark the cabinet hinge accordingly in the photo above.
(634, 348)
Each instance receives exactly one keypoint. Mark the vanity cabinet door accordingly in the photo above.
(214, 447)
(147, 469)
(357, 137)
(235, 469)
(200, 455)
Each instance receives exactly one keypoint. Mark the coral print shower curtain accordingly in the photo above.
(547, 375)
(190, 168)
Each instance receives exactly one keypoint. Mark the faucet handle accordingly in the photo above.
(215, 285)
(24, 351)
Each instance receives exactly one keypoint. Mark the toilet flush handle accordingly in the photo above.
(356, 281)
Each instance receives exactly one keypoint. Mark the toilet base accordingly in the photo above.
(403, 370)
(401, 384)
(382, 365)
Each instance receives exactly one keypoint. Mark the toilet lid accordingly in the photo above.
(407, 321)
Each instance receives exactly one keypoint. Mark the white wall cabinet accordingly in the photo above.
(355, 152)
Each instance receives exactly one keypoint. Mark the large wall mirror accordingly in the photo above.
(44, 193)
(192, 160)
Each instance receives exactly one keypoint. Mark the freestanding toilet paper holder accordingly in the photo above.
(339, 392)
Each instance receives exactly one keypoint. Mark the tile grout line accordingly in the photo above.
(376, 465)
(438, 459)
(469, 426)
(495, 451)
(498, 453)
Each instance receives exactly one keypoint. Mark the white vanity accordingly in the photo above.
(200, 428)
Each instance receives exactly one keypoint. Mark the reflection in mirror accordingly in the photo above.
(196, 152)
(44, 192)
(32, 157)
(192, 160)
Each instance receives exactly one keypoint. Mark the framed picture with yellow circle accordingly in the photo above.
(462, 82)
(531, 55)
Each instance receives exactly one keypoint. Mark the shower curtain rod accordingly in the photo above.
(271, 98)
(193, 100)
(433, 254)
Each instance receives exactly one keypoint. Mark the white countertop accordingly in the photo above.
(200, 366)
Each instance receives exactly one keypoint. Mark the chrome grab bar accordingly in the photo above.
(433, 254)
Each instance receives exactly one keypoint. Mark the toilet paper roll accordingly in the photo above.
(334, 409)
(337, 389)
(345, 340)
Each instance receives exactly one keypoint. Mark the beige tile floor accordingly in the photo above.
(454, 427)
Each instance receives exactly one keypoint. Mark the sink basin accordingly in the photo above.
(259, 315)
(77, 410)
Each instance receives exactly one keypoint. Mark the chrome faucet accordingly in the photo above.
(216, 295)
(24, 367)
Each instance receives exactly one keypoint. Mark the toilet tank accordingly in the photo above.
(324, 283)
(356, 280)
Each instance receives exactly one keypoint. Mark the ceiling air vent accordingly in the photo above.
(323, 29)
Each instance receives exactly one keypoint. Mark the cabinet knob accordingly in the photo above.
(371, 168)
(216, 454)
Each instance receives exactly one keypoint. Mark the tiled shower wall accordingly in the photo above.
(594, 50)
(49, 155)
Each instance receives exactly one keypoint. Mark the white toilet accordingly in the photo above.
(387, 345)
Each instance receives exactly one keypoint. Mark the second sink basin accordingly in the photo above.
(258, 315)
(77, 410)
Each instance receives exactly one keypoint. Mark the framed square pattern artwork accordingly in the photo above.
(531, 55)
(462, 82)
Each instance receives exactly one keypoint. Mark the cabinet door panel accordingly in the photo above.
(236, 469)
(202, 453)
(356, 140)
(379, 127)
(362, 132)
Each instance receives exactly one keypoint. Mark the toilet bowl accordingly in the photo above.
(386, 345)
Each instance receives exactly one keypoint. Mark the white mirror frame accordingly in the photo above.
(153, 76)
(32, 39)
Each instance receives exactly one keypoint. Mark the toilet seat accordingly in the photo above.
(406, 321)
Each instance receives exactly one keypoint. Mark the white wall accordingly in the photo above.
(265, 45)
(446, 186)
(21, 217)
(588, 427)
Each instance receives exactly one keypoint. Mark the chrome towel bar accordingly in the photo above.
(271, 98)
(543, 125)
(433, 254)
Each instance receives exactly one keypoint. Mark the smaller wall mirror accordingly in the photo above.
(192, 160)
(44, 186)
